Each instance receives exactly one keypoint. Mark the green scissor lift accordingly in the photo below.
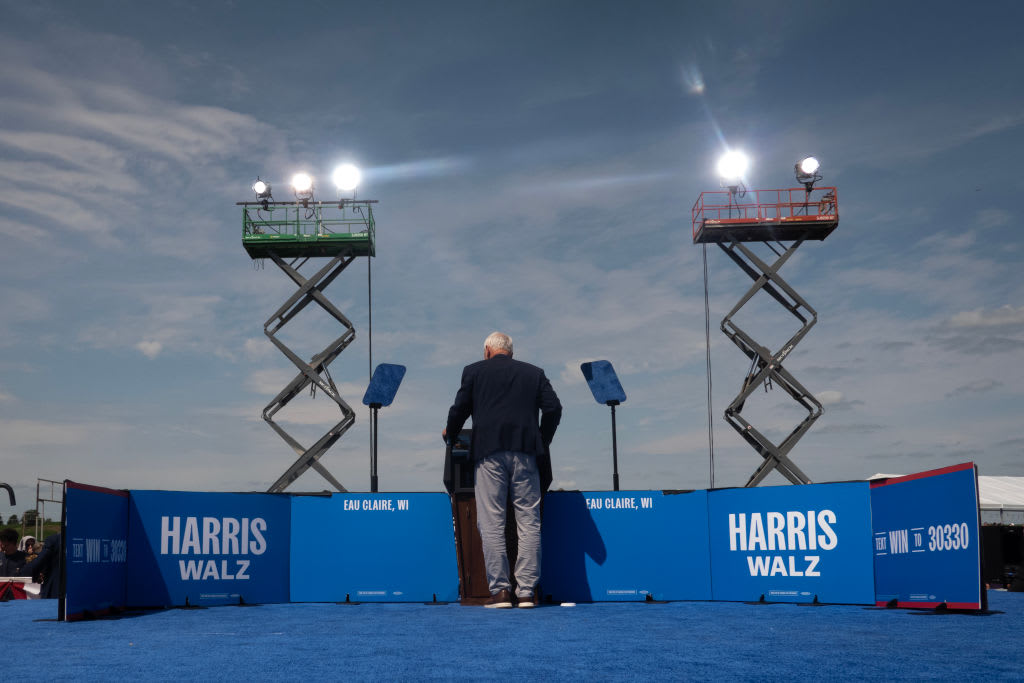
(291, 234)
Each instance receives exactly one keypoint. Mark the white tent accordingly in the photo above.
(1002, 498)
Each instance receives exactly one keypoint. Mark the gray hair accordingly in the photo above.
(499, 341)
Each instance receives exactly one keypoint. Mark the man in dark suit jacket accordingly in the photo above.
(504, 397)
(11, 559)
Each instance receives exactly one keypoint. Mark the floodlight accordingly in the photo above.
(732, 167)
(302, 183)
(807, 173)
(809, 165)
(347, 177)
(261, 188)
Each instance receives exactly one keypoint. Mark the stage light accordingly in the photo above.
(807, 173)
(809, 165)
(261, 188)
(732, 166)
(302, 183)
(347, 177)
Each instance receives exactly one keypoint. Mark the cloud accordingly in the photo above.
(981, 331)
(186, 322)
(24, 305)
(863, 428)
(25, 434)
(257, 348)
(1004, 316)
(980, 386)
(99, 158)
(894, 345)
(828, 398)
(571, 373)
(979, 345)
(150, 349)
(917, 135)
(992, 218)
(833, 400)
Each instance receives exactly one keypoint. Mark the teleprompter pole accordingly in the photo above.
(615, 450)
(374, 407)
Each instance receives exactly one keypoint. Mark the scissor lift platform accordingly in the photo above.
(290, 234)
(729, 219)
(769, 216)
(291, 230)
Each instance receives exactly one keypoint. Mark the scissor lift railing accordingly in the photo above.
(291, 229)
(290, 234)
(771, 217)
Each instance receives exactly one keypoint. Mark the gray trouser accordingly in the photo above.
(497, 475)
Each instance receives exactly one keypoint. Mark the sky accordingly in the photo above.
(535, 165)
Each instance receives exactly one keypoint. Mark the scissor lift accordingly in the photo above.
(730, 220)
(290, 234)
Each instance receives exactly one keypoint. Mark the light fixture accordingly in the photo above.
(347, 177)
(807, 173)
(262, 190)
(732, 166)
(302, 185)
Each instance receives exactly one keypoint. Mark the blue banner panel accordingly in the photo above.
(373, 547)
(926, 539)
(208, 548)
(625, 545)
(792, 543)
(95, 541)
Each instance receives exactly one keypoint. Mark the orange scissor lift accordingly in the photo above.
(732, 219)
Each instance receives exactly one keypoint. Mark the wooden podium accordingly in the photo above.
(458, 480)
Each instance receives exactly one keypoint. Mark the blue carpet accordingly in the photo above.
(596, 641)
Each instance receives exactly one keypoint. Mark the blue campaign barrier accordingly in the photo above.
(926, 539)
(911, 541)
(208, 548)
(373, 547)
(625, 545)
(792, 543)
(95, 541)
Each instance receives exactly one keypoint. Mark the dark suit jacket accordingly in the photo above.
(504, 397)
(10, 565)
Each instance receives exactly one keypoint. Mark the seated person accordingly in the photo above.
(31, 548)
(45, 569)
(12, 560)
